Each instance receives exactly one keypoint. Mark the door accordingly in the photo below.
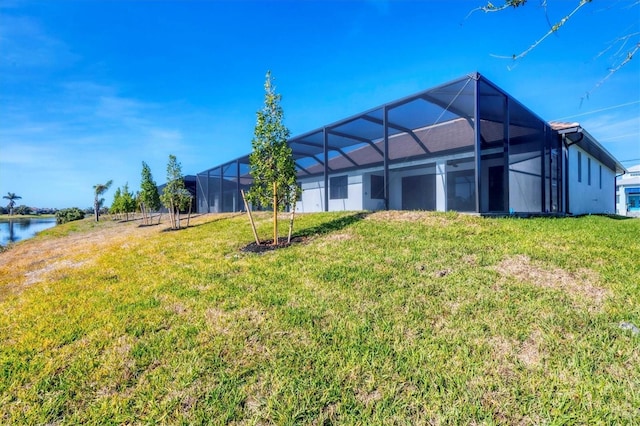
(419, 192)
(496, 189)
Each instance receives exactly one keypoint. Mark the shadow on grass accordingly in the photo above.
(183, 220)
(302, 235)
(617, 216)
(332, 225)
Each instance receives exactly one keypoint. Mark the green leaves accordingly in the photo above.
(148, 198)
(99, 189)
(148, 189)
(271, 160)
(175, 196)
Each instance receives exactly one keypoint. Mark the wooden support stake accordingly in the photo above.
(253, 225)
(275, 213)
(293, 212)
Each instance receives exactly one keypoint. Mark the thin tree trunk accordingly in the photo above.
(293, 212)
(253, 225)
(275, 214)
(159, 216)
(145, 218)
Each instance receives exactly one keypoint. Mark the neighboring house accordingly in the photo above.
(628, 193)
(465, 146)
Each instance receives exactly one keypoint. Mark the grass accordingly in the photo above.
(383, 318)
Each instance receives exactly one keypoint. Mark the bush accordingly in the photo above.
(68, 215)
(22, 210)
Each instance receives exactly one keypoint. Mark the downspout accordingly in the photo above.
(566, 163)
(615, 191)
(564, 139)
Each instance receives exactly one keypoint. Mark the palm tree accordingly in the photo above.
(97, 202)
(11, 197)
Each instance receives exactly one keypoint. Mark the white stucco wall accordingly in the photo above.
(359, 181)
(585, 198)
(313, 195)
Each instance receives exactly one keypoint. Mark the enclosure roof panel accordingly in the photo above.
(414, 128)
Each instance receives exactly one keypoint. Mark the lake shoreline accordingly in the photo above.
(6, 217)
(19, 228)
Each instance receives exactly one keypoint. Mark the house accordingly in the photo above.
(190, 185)
(628, 193)
(465, 145)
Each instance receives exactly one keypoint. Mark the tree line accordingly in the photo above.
(272, 169)
(175, 197)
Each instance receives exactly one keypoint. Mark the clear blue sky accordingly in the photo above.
(90, 89)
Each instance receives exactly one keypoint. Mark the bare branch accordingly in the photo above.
(490, 7)
(624, 40)
(612, 71)
(622, 55)
(554, 28)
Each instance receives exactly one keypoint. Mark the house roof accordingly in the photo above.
(436, 121)
(579, 136)
(627, 179)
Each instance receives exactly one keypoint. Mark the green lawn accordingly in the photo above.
(384, 318)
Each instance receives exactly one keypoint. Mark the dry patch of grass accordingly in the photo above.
(42, 258)
(39, 275)
(423, 217)
(529, 352)
(581, 285)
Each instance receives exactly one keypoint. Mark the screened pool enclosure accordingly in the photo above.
(465, 146)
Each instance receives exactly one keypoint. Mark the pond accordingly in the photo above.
(22, 228)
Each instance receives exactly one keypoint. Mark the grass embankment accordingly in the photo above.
(406, 318)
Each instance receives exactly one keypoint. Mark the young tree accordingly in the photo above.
(271, 162)
(12, 197)
(99, 189)
(185, 200)
(149, 198)
(128, 201)
(174, 193)
(116, 205)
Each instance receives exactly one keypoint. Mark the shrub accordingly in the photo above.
(68, 215)
(22, 210)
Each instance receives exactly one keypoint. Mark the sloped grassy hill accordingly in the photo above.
(384, 318)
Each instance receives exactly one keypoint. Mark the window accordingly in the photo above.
(338, 188)
(588, 171)
(600, 177)
(377, 187)
(579, 166)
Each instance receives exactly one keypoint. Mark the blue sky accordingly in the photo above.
(90, 89)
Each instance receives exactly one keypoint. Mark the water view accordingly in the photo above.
(17, 229)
